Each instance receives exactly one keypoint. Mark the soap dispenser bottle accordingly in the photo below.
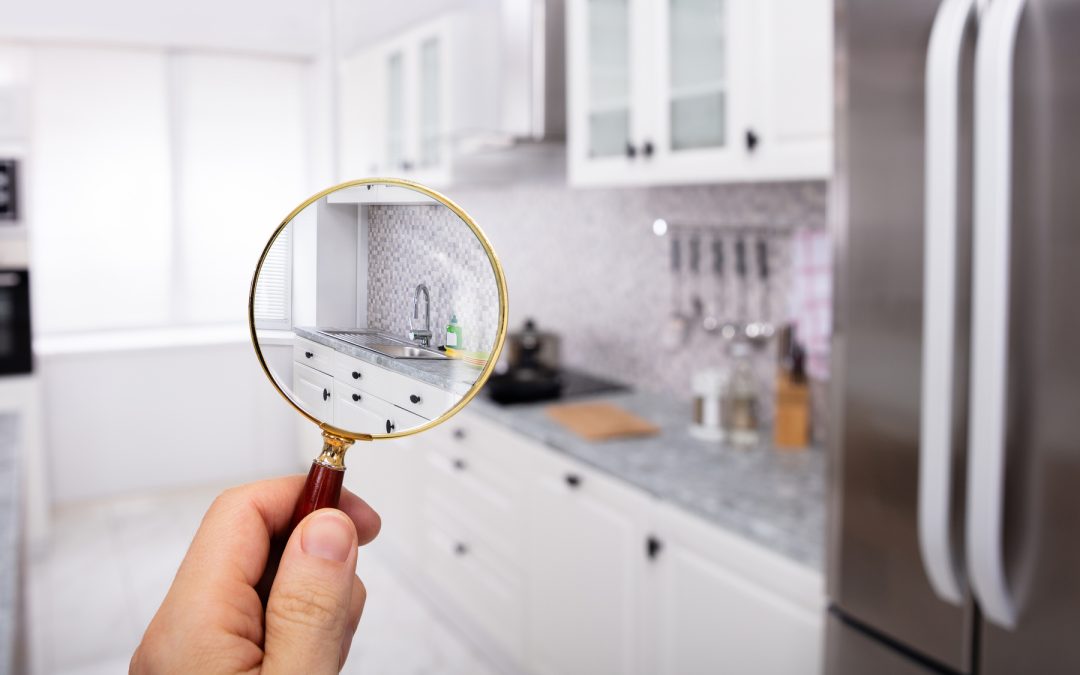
(453, 333)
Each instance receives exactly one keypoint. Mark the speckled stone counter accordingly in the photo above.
(448, 375)
(772, 497)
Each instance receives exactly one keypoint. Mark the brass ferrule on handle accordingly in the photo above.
(333, 451)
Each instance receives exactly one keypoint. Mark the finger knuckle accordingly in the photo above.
(305, 606)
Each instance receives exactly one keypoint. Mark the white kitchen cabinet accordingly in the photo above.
(692, 91)
(314, 391)
(720, 604)
(407, 98)
(585, 558)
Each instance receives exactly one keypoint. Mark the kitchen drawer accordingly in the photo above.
(487, 442)
(314, 355)
(356, 411)
(417, 397)
(481, 492)
(314, 392)
(473, 577)
(370, 413)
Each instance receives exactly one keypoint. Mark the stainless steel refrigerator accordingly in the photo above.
(954, 541)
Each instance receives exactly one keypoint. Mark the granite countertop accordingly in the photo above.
(449, 374)
(775, 498)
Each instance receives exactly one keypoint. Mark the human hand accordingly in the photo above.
(213, 621)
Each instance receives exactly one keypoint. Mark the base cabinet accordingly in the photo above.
(585, 557)
(562, 570)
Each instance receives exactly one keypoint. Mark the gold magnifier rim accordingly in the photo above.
(500, 281)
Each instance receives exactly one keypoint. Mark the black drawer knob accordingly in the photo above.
(631, 151)
(414, 398)
(355, 375)
(459, 464)
(308, 355)
(459, 434)
(460, 548)
(752, 140)
(389, 426)
(572, 479)
(356, 397)
(647, 149)
(653, 546)
(325, 394)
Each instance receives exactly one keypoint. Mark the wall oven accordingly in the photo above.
(16, 350)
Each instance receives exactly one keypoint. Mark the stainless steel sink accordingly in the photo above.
(384, 344)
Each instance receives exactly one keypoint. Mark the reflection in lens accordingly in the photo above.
(376, 309)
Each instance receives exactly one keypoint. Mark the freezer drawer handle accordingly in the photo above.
(939, 299)
(990, 310)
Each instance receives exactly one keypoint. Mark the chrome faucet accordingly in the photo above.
(421, 335)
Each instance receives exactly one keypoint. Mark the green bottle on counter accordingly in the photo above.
(453, 333)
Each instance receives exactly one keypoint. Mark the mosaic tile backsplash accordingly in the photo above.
(587, 265)
(429, 244)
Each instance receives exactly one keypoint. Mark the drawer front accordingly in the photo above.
(371, 410)
(313, 355)
(481, 585)
(487, 441)
(472, 488)
(353, 411)
(314, 391)
(417, 397)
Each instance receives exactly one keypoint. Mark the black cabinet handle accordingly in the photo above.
(356, 397)
(631, 151)
(414, 398)
(460, 548)
(653, 546)
(459, 434)
(308, 355)
(356, 375)
(325, 394)
(647, 149)
(459, 464)
(752, 140)
(389, 426)
(406, 166)
(572, 479)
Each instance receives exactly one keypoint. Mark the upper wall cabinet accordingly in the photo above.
(407, 99)
(696, 91)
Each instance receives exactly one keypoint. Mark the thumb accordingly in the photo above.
(307, 610)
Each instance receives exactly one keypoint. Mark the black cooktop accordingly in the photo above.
(531, 386)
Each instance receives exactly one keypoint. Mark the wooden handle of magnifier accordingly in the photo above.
(322, 490)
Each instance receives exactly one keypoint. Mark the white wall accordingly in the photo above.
(270, 26)
(139, 420)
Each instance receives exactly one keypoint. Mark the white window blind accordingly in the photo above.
(155, 180)
(273, 293)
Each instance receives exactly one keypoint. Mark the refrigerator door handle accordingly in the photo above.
(990, 310)
(939, 297)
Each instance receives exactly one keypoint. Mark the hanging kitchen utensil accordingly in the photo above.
(352, 298)
(677, 326)
(737, 326)
(715, 310)
(762, 329)
(697, 305)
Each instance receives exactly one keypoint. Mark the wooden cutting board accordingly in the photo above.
(600, 421)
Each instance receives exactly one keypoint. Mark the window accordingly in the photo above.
(155, 180)
(273, 295)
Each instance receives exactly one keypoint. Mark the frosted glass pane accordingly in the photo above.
(608, 133)
(395, 111)
(609, 76)
(99, 189)
(241, 158)
(429, 102)
(698, 73)
(697, 122)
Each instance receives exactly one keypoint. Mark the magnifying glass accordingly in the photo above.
(378, 310)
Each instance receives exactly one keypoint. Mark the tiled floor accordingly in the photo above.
(111, 563)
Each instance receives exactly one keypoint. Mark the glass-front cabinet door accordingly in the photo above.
(604, 87)
(702, 85)
(395, 112)
(430, 100)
